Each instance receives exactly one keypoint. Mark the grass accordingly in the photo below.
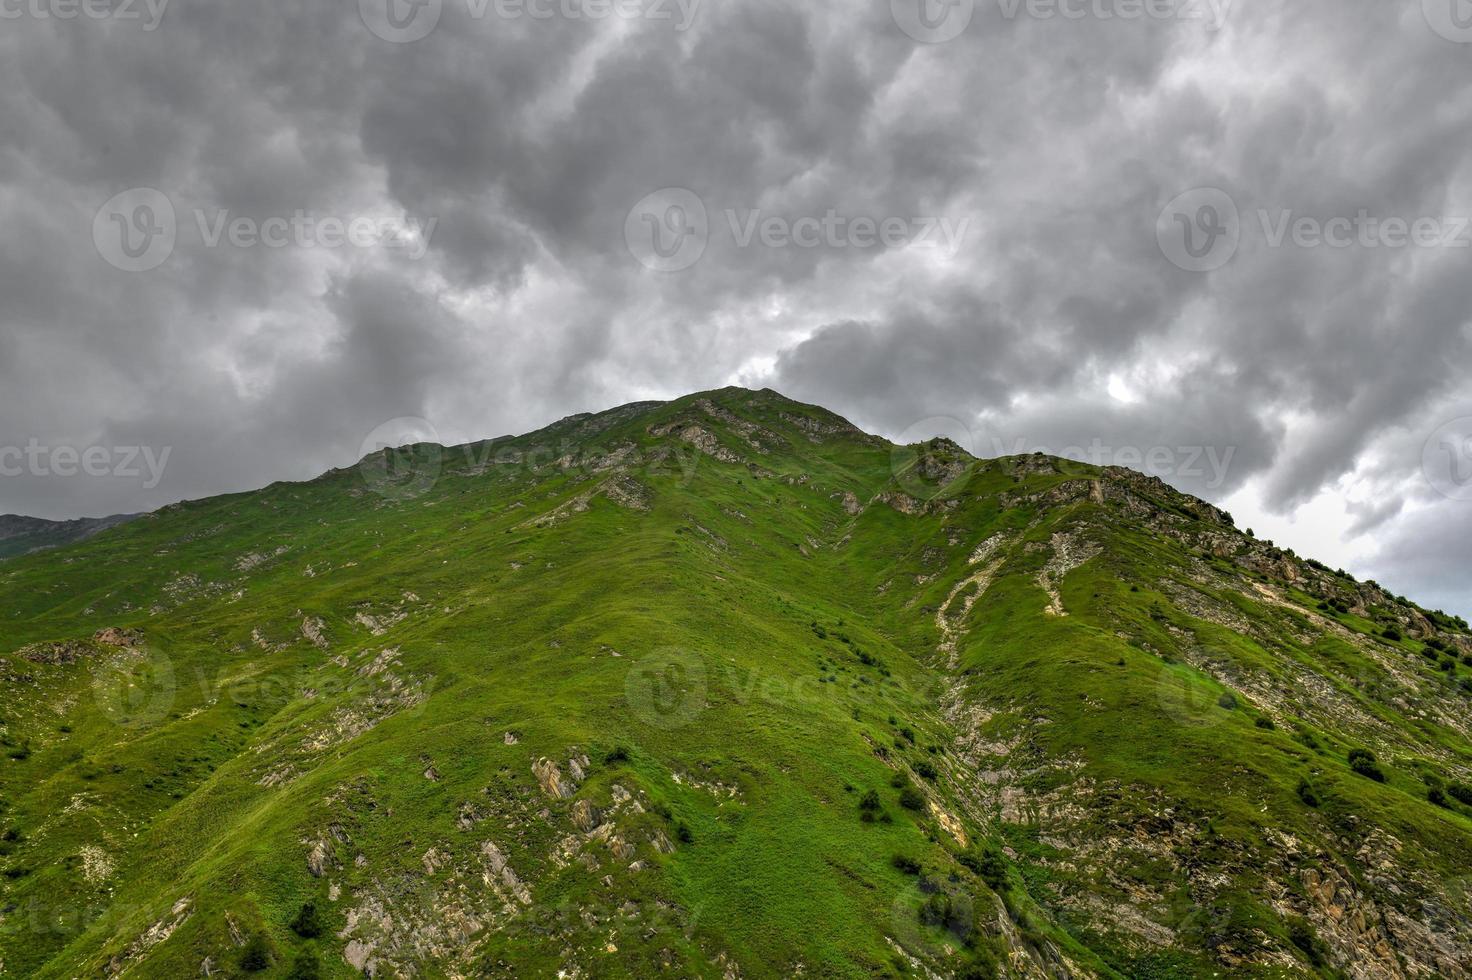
(747, 659)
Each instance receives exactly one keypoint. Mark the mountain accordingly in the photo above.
(21, 535)
(724, 687)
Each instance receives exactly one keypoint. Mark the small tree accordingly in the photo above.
(307, 924)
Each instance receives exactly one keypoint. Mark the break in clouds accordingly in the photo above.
(1226, 242)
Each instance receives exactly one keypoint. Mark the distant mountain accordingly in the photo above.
(21, 535)
(723, 688)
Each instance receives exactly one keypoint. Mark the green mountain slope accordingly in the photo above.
(23, 535)
(723, 688)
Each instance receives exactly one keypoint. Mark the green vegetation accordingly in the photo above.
(721, 685)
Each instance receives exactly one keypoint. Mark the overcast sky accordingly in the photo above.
(1225, 241)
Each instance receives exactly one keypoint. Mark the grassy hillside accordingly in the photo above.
(723, 688)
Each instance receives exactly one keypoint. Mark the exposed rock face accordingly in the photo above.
(549, 777)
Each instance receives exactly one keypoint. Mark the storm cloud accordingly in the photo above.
(1224, 241)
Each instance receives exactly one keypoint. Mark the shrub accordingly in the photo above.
(683, 834)
(906, 864)
(1265, 722)
(1363, 762)
(306, 967)
(1302, 935)
(1306, 794)
(1228, 700)
(989, 864)
(911, 799)
(1392, 634)
(899, 780)
(925, 770)
(257, 955)
(1461, 792)
(937, 909)
(1436, 797)
(308, 924)
(619, 754)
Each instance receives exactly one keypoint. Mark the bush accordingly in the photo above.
(937, 910)
(257, 955)
(1436, 797)
(906, 864)
(1392, 634)
(989, 864)
(1302, 935)
(1363, 762)
(1228, 700)
(1265, 723)
(308, 924)
(912, 799)
(682, 832)
(925, 770)
(1306, 794)
(619, 754)
(1461, 792)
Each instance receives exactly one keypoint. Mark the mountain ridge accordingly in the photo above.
(724, 687)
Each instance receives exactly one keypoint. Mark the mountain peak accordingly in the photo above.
(1019, 717)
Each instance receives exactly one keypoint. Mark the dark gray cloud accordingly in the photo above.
(1020, 290)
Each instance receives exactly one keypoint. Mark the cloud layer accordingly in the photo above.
(985, 235)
